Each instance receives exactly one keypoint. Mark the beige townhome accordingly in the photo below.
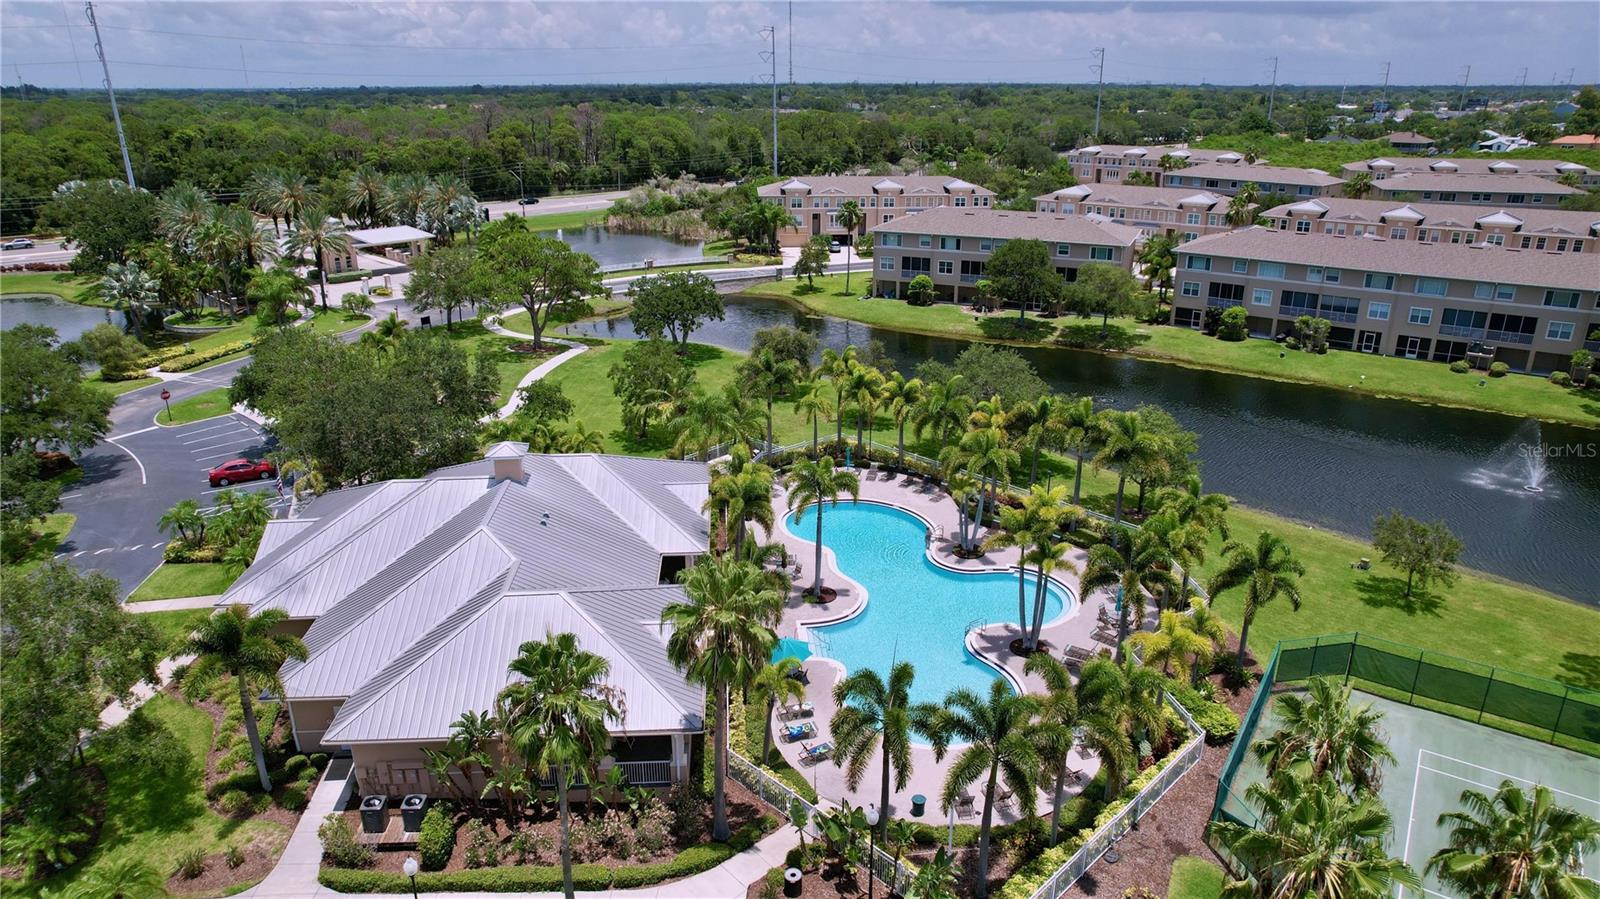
(813, 202)
(1473, 190)
(1226, 178)
(952, 246)
(1113, 163)
(1443, 302)
(1540, 229)
(1172, 211)
(413, 596)
(1548, 169)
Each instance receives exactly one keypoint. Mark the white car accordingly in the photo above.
(19, 243)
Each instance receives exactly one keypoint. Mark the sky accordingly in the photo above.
(249, 44)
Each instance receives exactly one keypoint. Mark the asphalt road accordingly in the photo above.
(42, 251)
(549, 205)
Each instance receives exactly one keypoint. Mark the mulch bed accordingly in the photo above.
(828, 595)
(218, 878)
(1043, 646)
(527, 348)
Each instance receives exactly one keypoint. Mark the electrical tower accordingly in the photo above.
(1522, 82)
(1383, 97)
(771, 55)
(1466, 75)
(1100, 71)
(116, 117)
(1273, 92)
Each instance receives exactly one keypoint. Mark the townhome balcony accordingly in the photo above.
(1508, 336)
(1343, 318)
(1222, 303)
(970, 279)
(1592, 346)
(1461, 331)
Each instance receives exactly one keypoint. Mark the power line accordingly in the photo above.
(395, 46)
(370, 74)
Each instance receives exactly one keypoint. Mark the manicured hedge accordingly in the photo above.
(195, 360)
(179, 553)
(346, 278)
(1217, 720)
(437, 839)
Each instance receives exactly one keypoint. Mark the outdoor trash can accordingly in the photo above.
(411, 809)
(374, 813)
(791, 883)
(919, 804)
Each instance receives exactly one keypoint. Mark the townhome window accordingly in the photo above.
(1448, 196)
(1537, 199)
(1192, 218)
(1303, 226)
(1269, 270)
(1504, 292)
(971, 269)
(833, 220)
(1191, 288)
(1063, 249)
(946, 267)
(1427, 195)
(1379, 282)
(816, 203)
(1306, 191)
(1261, 296)
(1297, 302)
(888, 216)
(1565, 299)
(1101, 254)
(1516, 198)
(886, 263)
(1480, 197)
(915, 265)
(1331, 275)
(1558, 331)
(1240, 266)
(949, 243)
(1498, 240)
(1378, 311)
(1538, 243)
(1213, 221)
(1420, 315)
(1397, 234)
(961, 201)
(1049, 207)
(888, 202)
(888, 240)
(1433, 287)
(1189, 235)
(872, 202)
(985, 244)
(1225, 294)
(796, 203)
(924, 240)
(1314, 273)
(1561, 245)
(1197, 263)
(1577, 246)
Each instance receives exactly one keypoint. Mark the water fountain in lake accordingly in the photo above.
(1518, 466)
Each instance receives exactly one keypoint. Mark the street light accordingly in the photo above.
(410, 867)
(872, 844)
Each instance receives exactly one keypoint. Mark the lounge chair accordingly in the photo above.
(805, 730)
(1075, 777)
(801, 710)
(800, 675)
(1077, 655)
(1005, 798)
(815, 753)
(1108, 637)
(966, 806)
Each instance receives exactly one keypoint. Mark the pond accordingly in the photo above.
(69, 319)
(1325, 457)
(610, 248)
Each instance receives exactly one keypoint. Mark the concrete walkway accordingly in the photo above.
(117, 712)
(296, 872)
(492, 322)
(171, 605)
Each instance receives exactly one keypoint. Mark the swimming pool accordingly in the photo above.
(916, 610)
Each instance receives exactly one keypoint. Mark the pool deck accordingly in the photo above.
(991, 642)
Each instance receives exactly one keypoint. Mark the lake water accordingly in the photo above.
(610, 248)
(1326, 457)
(69, 319)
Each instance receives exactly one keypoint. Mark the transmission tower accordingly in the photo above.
(770, 32)
(99, 50)
(1272, 94)
(1100, 72)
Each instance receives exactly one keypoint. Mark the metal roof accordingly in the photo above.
(995, 223)
(377, 237)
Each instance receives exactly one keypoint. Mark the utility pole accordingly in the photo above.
(1569, 76)
(770, 32)
(99, 50)
(1466, 76)
(791, 44)
(245, 68)
(1522, 82)
(1273, 93)
(1384, 96)
(1100, 71)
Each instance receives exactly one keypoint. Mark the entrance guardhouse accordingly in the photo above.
(379, 250)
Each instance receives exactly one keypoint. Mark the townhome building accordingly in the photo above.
(1473, 190)
(1548, 169)
(1113, 163)
(1173, 211)
(1540, 228)
(1228, 178)
(813, 202)
(1441, 302)
(952, 246)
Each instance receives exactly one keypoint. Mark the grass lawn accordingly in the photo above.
(69, 287)
(686, 267)
(553, 220)
(477, 340)
(154, 817)
(1195, 878)
(190, 579)
(603, 307)
(174, 626)
(335, 321)
(209, 404)
(1428, 382)
(118, 388)
(50, 533)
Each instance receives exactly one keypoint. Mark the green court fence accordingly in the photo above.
(1494, 697)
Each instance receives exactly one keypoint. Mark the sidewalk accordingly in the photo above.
(171, 605)
(492, 322)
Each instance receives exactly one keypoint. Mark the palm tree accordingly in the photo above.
(260, 194)
(1157, 258)
(1045, 428)
(1324, 732)
(1241, 209)
(1358, 185)
(769, 377)
(1055, 728)
(185, 522)
(850, 218)
(708, 419)
(1515, 846)
(836, 367)
(772, 685)
(1172, 641)
(386, 335)
(1048, 556)
(1081, 428)
(365, 195)
(251, 649)
(1268, 571)
(404, 198)
(813, 402)
(1313, 842)
(1130, 562)
(180, 211)
(1016, 528)
(815, 482)
(556, 718)
(320, 236)
(279, 290)
(1119, 706)
(721, 637)
(944, 410)
(998, 734)
(1125, 446)
(131, 291)
(903, 397)
(1184, 543)
(449, 206)
(873, 718)
(989, 456)
(740, 492)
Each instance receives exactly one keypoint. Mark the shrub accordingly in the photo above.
(1499, 370)
(319, 760)
(191, 863)
(535, 846)
(654, 829)
(690, 861)
(1217, 720)
(347, 277)
(195, 360)
(240, 754)
(260, 802)
(293, 798)
(382, 292)
(1234, 675)
(295, 763)
(491, 880)
(1232, 325)
(234, 802)
(1561, 379)
(437, 839)
(483, 848)
(688, 810)
(920, 291)
(1460, 367)
(1592, 382)
(339, 844)
(234, 857)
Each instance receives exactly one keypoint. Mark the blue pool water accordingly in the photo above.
(916, 610)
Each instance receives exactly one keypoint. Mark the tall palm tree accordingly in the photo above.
(721, 637)
(1157, 258)
(1314, 842)
(556, 718)
(132, 291)
(1515, 846)
(774, 684)
(1000, 746)
(1081, 426)
(861, 386)
(1017, 528)
(1185, 543)
(1172, 642)
(944, 411)
(402, 201)
(769, 377)
(850, 218)
(365, 194)
(1120, 705)
(903, 397)
(740, 493)
(320, 236)
(1045, 428)
(185, 522)
(180, 211)
(251, 649)
(813, 401)
(1055, 727)
(708, 419)
(1125, 446)
(816, 483)
(836, 367)
(1048, 556)
(260, 194)
(1267, 571)
(279, 290)
(1241, 209)
(449, 206)
(1327, 734)
(1358, 185)
(1131, 562)
(873, 718)
(990, 457)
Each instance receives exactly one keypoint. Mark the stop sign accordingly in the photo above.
(166, 394)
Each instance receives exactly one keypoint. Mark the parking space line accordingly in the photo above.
(245, 485)
(230, 423)
(230, 454)
(106, 550)
(202, 449)
(233, 425)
